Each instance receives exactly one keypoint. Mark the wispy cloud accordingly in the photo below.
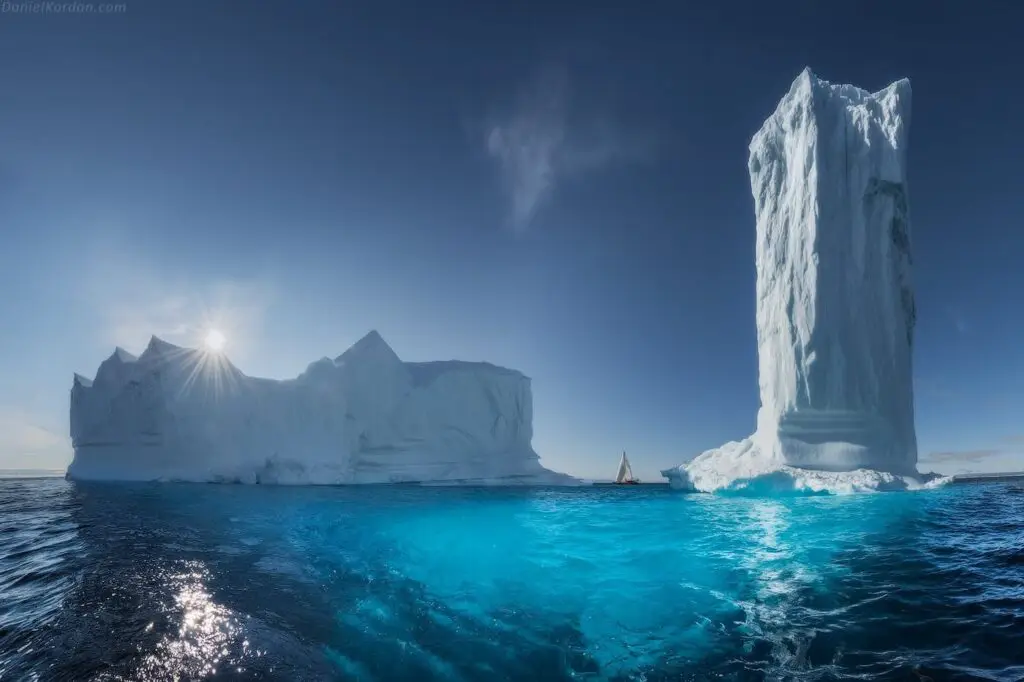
(1009, 445)
(24, 439)
(958, 319)
(933, 388)
(1015, 442)
(960, 456)
(138, 299)
(130, 319)
(542, 139)
(184, 315)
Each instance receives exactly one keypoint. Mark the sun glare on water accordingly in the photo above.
(214, 340)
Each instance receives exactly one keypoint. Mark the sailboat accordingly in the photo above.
(625, 474)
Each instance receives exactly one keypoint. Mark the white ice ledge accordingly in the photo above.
(743, 467)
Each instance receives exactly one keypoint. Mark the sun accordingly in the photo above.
(214, 340)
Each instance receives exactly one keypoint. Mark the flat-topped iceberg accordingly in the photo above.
(835, 300)
(178, 414)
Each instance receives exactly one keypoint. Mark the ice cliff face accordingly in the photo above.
(364, 417)
(835, 301)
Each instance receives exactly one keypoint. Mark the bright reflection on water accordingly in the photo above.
(207, 634)
(149, 582)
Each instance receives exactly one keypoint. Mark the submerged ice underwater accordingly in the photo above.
(133, 581)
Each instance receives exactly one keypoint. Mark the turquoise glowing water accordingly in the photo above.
(147, 582)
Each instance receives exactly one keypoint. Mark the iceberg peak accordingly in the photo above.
(372, 347)
(372, 339)
(114, 371)
(157, 344)
(158, 348)
(123, 356)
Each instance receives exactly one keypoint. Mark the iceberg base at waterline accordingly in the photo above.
(745, 467)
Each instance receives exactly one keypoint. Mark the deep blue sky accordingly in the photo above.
(304, 172)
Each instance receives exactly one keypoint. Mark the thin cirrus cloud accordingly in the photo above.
(543, 140)
(27, 442)
(1009, 446)
(960, 456)
(235, 308)
(131, 303)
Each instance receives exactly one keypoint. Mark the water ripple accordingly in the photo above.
(191, 582)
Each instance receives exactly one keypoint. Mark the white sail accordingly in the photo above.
(624, 470)
(629, 468)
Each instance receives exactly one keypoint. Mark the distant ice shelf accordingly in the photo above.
(835, 306)
(179, 414)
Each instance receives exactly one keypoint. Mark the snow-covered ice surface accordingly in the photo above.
(364, 417)
(835, 299)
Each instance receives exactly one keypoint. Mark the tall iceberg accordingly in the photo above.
(835, 299)
(179, 414)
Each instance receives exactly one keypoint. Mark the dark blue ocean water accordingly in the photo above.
(161, 582)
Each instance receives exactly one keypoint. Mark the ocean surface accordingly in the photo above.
(162, 582)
